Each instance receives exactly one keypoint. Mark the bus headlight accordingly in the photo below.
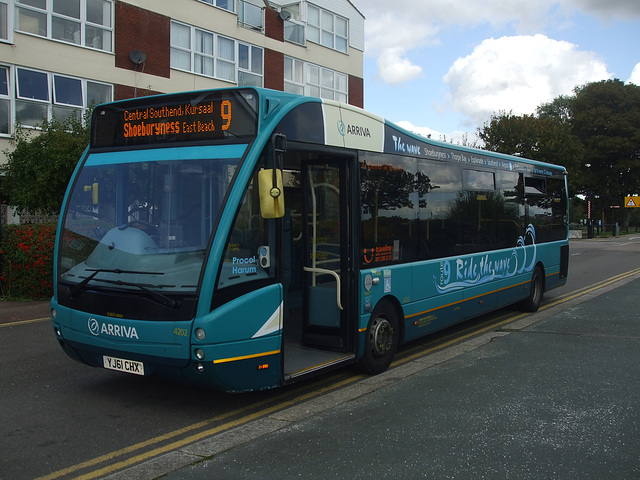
(199, 354)
(200, 334)
(54, 314)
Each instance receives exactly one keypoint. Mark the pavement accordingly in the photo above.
(15, 311)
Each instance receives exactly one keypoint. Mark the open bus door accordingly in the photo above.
(318, 330)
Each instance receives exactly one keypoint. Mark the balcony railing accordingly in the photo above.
(250, 16)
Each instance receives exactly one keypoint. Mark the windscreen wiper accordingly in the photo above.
(158, 297)
(81, 286)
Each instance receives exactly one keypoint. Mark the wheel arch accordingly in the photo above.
(540, 265)
(395, 303)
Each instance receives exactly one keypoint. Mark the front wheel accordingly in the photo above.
(536, 291)
(380, 345)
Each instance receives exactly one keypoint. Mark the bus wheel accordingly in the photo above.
(536, 291)
(382, 339)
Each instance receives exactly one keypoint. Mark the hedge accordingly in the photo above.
(27, 260)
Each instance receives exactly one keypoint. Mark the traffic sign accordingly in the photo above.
(630, 202)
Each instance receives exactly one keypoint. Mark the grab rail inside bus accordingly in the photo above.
(332, 273)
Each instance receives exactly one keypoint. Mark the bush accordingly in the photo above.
(27, 257)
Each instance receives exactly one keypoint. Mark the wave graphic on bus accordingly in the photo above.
(480, 269)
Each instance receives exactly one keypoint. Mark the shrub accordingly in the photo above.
(27, 257)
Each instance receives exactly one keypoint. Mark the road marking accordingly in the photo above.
(23, 322)
(278, 406)
(193, 438)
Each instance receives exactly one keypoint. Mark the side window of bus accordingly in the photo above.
(511, 221)
(559, 214)
(388, 204)
(535, 192)
(438, 220)
(248, 255)
(546, 208)
(477, 208)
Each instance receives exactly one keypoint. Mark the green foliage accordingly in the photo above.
(41, 162)
(547, 138)
(605, 117)
(594, 133)
(27, 254)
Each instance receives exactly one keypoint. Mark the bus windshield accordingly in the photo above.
(145, 223)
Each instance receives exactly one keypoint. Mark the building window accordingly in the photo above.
(206, 53)
(87, 23)
(294, 32)
(5, 27)
(5, 102)
(293, 76)
(327, 29)
(249, 65)
(315, 81)
(180, 46)
(42, 95)
(250, 16)
(225, 4)
(226, 59)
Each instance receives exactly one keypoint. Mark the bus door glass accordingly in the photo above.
(316, 246)
(323, 250)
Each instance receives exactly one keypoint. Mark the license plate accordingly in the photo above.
(122, 365)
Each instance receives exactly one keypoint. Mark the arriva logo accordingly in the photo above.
(111, 330)
(342, 128)
(356, 130)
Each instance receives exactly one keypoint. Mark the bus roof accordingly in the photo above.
(262, 111)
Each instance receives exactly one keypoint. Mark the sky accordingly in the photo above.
(443, 67)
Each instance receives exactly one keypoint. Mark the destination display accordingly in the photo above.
(181, 118)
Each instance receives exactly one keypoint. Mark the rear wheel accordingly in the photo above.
(536, 291)
(381, 343)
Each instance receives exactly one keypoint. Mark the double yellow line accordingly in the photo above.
(198, 431)
(279, 403)
(24, 322)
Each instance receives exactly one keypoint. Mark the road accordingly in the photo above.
(63, 420)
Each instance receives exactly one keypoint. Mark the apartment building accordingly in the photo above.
(60, 56)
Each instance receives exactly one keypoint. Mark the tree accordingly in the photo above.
(41, 163)
(547, 138)
(605, 117)
(559, 108)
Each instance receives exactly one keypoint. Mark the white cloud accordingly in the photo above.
(395, 30)
(635, 75)
(424, 131)
(394, 69)
(389, 38)
(457, 137)
(518, 74)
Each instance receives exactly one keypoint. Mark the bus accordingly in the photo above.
(243, 238)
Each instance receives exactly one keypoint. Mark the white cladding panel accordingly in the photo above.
(344, 8)
(347, 10)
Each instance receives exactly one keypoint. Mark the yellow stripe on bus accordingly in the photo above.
(244, 357)
(362, 330)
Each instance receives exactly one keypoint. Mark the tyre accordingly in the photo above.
(383, 333)
(536, 292)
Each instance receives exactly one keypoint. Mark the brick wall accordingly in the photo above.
(149, 32)
(273, 25)
(273, 69)
(356, 91)
(122, 92)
